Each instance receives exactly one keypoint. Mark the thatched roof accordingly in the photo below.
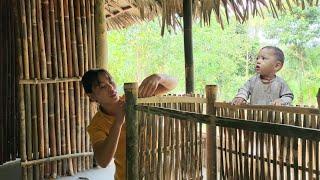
(123, 13)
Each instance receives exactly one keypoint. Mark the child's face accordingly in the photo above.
(267, 64)
(105, 91)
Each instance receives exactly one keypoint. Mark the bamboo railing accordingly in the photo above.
(56, 40)
(273, 142)
(242, 142)
(9, 117)
(164, 147)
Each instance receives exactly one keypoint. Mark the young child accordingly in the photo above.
(266, 88)
(107, 129)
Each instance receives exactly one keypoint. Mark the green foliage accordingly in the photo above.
(299, 35)
(222, 57)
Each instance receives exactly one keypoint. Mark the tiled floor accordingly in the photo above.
(93, 174)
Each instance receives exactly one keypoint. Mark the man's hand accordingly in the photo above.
(120, 113)
(149, 86)
(238, 101)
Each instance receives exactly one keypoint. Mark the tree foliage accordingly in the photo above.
(221, 57)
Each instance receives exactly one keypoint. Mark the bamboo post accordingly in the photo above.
(100, 34)
(188, 53)
(211, 94)
(132, 159)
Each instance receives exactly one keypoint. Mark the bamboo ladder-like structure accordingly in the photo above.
(57, 47)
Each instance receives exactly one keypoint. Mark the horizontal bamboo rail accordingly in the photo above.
(270, 128)
(181, 115)
(49, 81)
(55, 158)
(287, 109)
(172, 99)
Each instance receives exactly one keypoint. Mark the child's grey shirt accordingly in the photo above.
(264, 94)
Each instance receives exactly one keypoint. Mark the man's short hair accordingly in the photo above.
(91, 78)
(277, 52)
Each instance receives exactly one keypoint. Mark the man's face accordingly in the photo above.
(104, 92)
(267, 64)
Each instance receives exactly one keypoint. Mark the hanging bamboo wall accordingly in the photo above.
(56, 39)
(9, 117)
(250, 154)
(171, 148)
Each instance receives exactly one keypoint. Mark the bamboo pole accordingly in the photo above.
(43, 64)
(74, 134)
(22, 123)
(93, 31)
(62, 38)
(132, 159)
(211, 94)
(81, 121)
(58, 127)
(73, 39)
(63, 128)
(89, 34)
(67, 128)
(85, 55)
(52, 72)
(70, 92)
(55, 158)
(58, 71)
(22, 141)
(33, 90)
(70, 125)
(79, 37)
(100, 34)
(187, 32)
(53, 36)
(26, 88)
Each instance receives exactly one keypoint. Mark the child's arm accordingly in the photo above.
(157, 84)
(243, 94)
(286, 96)
(104, 150)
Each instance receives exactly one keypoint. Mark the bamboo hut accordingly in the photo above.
(47, 45)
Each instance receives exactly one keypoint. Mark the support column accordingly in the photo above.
(132, 136)
(211, 95)
(100, 34)
(188, 54)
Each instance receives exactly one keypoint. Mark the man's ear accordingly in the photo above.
(278, 66)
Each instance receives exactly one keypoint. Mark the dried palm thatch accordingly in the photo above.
(123, 13)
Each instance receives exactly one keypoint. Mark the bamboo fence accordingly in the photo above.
(242, 142)
(169, 148)
(56, 43)
(9, 76)
(251, 154)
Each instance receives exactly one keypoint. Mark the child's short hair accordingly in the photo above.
(90, 78)
(277, 52)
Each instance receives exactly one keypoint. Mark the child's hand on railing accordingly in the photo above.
(238, 101)
(277, 102)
